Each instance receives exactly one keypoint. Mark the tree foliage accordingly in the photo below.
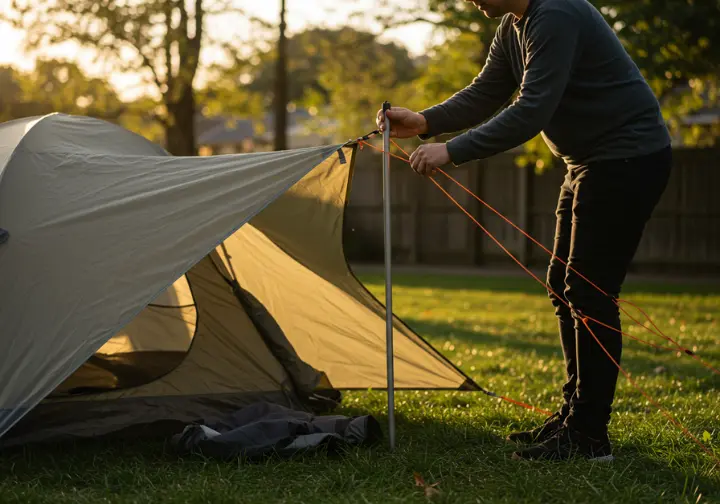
(676, 44)
(56, 86)
(158, 39)
(307, 52)
(344, 72)
(359, 73)
(670, 39)
(451, 17)
(62, 86)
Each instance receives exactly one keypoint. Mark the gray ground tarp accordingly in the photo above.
(266, 429)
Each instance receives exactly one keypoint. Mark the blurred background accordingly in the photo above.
(205, 77)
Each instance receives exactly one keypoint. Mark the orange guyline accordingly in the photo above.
(585, 319)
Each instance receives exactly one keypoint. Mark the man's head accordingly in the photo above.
(498, 8)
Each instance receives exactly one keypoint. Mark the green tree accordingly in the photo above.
(308, 55)
(356, 74)
(57, 86)
(62, 86)
(11, 92)
(451, 17)
(344, 72)
(159, 39)
(676, 44)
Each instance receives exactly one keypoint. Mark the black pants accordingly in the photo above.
(601, 215)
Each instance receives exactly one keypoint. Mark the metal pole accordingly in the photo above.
(388, 280)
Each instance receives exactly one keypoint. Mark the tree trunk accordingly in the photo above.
(180, 127)
(281, 86)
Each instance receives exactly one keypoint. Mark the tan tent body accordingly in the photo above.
(140, 290)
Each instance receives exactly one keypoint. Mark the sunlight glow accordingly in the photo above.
(301, 13)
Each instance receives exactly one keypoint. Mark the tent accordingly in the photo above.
(139, 289)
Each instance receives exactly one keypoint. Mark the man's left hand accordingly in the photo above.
(428, 157)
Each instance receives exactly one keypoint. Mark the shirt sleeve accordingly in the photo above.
(551, 42)
(489, 91)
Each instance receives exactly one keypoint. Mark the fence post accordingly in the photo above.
(415, 219)
(524, 196)
(477, 210)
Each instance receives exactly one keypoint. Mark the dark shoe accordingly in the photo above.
(566, 443)
(539, 434)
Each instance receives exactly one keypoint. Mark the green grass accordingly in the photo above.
(502, 332)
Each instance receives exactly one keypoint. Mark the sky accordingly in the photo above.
(300, 14)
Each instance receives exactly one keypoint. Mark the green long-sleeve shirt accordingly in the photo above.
(577, 86)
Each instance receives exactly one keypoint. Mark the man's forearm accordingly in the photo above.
(443, 117)
(512, 127)
(488, 92)
(467, 108)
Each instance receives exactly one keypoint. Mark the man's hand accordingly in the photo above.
(404, 123)
(428, 157)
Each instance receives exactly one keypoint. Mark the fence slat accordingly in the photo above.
(684, 232)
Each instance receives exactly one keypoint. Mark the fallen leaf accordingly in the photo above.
(428, 490)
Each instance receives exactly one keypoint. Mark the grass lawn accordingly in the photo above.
(502, 332)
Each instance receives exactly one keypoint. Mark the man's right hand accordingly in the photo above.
(404, 123)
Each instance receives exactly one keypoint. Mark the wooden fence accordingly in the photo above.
(683, 235)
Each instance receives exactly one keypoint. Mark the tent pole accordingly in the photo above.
(388, 280)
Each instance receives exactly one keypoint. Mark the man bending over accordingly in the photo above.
(580, 89)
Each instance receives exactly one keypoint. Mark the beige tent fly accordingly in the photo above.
(142, 290)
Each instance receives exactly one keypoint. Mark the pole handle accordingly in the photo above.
(385, 107)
